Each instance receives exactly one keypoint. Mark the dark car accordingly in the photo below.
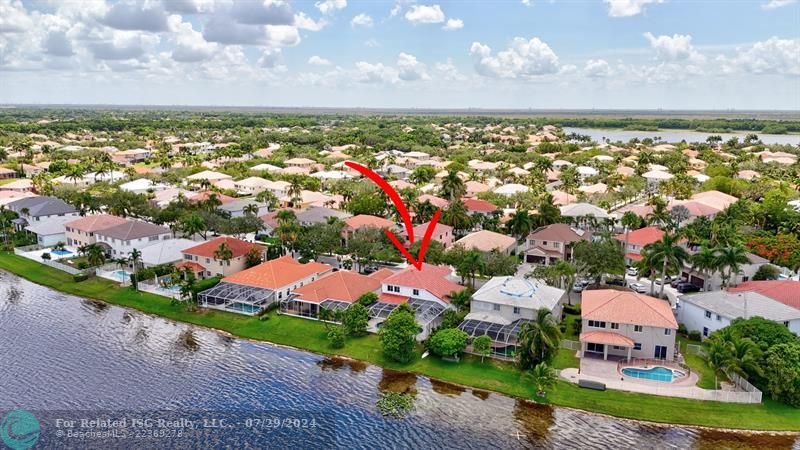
(684, 288)
(616, 281)
(677, 281)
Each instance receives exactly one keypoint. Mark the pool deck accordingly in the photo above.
(606, 372)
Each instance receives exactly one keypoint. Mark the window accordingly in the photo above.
(719, 317)
(786, 323)
(667, 332)
(592, 347)
(637, 345)
(708, 314)
(189, 257)
(544, 243)
(705, 331)
(557, 245)
(496, 307)
(415, 292)
(637, 328)
(617, 347)
(208, 260)
(516, 310)
(614, 326)
(597, 324)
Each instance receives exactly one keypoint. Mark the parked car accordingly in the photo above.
(684, 288)
(677, 281)
(667, 279)
(638, 287)
(632, 271)
(616, 281)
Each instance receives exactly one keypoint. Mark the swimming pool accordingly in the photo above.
(122, 275)
(653, 373)
(243, 307)
(61, 252)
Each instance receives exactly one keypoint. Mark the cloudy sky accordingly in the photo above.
(672, 54)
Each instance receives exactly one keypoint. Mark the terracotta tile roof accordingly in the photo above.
(238, 247)
(478, 205)
(191, 265)
(696, 208)
(343, 286)
(431, 278)
(365, 220)
(133, 229)
(607, 338)
(277, 273)
(642, 236)
(435, 201)
(627, 307)
(560, 232)
(392, 298)
(634, 256)
(440, 229)
(203, 196)
(784, 291)
(381, 274)
(486, 241)
(91, 224)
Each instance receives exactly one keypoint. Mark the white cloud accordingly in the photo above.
(190, 45)
(142, 17)
(395, 10)
(262, 12)
(330, 6)
(375, 73)
(425, 14)
(774, 4)
(372, 43)
(597, 68)
(362, 20)
(13, 18)
(189, 6)
(57, 43)
(453, 24)
(409, 69)
(527, 2)
(627, 8)
(448, 71)
(773, 56)
(223, 30)
(270, 58)
(318, 61)
(303, 22)
(523, 59)
(677, 47)
(282, 35)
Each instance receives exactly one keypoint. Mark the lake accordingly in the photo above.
(673, 136)
(65, 358)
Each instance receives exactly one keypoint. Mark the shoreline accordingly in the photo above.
(450, 375)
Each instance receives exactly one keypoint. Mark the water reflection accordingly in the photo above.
(187, 341)
(716, 439)
(94, 306)
(397, 381)
(534, 421)
(335, 363)
(445, 388)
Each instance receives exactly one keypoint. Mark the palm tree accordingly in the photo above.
(520, 224)
(295, 191)
(538, 340)
(453, 187)
(223, 253)
(541, 376)
(671, 254)
(461, 299)
(95, 255)
(705, 261)
(250, 209)
(660, 214)
(629, 220)
(135, 255)
(730, 258)
(470, 264)
(456, 216)
(288, 229)
(193, 224)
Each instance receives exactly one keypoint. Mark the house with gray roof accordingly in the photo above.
(168, 251)
(319, 214)
(550, 243)
(51, 231)
(120, 240)
(39, 209)
(708, 312)
(236, 208)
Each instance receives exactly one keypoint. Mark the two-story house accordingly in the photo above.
(80, 232)
(426, 291)
(442, 233)
(626, 325)
(120, 240)
(361, 221)
(637, 240)
(486, 241)
(208, 256)
(502, 305)
(335, 291)
(554, 242)
(38, 209)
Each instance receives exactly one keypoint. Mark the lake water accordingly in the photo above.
(672, 136)
(66, 357)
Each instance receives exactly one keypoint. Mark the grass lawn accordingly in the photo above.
(708, 380)
(569, 321)
(470, 371)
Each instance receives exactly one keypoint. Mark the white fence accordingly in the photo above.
(24, 252)
(753, 392)
(572, 345)
(747, 393)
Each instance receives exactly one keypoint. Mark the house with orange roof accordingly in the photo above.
(625, 325)
(426, 291)
(477, 206)
(82, 231)
(335, 291)
(361, 221)
(637, 240)
(256, 288)
(554, 242)
(442, 233)
(486, 241)
(206, 255)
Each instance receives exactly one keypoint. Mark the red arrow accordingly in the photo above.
(401, 208)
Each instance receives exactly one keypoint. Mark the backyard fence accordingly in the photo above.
(747, 393)
(696, 350)
(754, 393)
(572, 345)
(64, 267)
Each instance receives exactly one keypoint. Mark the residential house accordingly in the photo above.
(253, 289)
(238, 207)
(504, 304)
(624, 325)
(708, 312)
(38, 209)
(335, 291)
(252, 185)
(713, 281)
(426, 291)
(208, 175)
(352, 224)
(319, 214)
(49, 232)
(81, 232)
(204, 255)
(554, 242)
(120, 240)
(142, 186)
(21, 185)
(302, 163)
(165, 252)
(442, 233)
(7, 174)
(487, 241)
(637, 240)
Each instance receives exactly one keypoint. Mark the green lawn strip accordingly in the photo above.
(708, 379)
(470, 371)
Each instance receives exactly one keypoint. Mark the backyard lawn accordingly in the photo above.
(470, 371)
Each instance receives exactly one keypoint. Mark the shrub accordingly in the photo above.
(766, 272)
(82, 265)
(694, 335)
(398, 335)
(572, 309)
(448, 342)
(78, 277)
(577, 325)
(368, 298)
(46, 256)
(355, 319)
(682, 329)
(336, 336)
(395, 404)
(482, 345)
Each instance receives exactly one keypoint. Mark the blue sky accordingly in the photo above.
(643, 54)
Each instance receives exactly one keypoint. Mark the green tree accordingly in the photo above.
(461, 299)
(354, 320)
(543, 377)
(704, 261)
(598, 258)
(766, 272)
(223, 253)
(135, 257)
(782, 371)
(470, 265)
(730, 261)
(520, 224)
(671, 254)
(538, 340)
(452, 187)
(482, 345)
(368, 299)
(253, 257)
(336, 336)
(192, 224)
(422, 174)
(398, 335)
(457, 217)
(448, 342)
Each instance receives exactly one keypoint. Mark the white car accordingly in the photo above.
(632, 271)
(638, 287)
